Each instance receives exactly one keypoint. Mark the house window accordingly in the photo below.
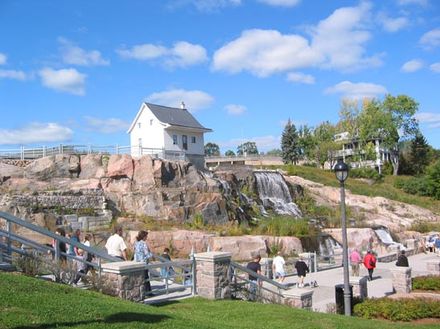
(151, 122)
(174, 139)
(139, 124)
(185, 142)
(193, 139)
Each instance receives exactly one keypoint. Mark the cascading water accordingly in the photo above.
(274, 193)
(328, 247)
(385, 237)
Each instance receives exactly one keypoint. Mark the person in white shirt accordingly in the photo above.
(278, 267)
(116, 246)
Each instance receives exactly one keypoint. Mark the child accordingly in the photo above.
(166, 271)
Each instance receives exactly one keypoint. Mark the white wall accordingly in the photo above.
(193, 148)
(150, 132)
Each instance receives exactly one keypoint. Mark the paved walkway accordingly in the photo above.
(381, 285)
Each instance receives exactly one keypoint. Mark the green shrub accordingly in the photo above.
(424, 227)
(285, 226)
(426, 283)
(368, 173)
(398, 310)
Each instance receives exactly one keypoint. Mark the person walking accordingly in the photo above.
(278, 271)
(83, 267)
(402, 260)
(143, 254)
(166, 271)
(254, 283)
(355, 260)
(116, 246)
(370, 264)
(301, 268)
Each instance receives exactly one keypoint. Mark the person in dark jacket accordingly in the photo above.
(402, 260)
(301, 269)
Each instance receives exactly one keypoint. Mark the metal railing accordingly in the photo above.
(14, 244)
(24, 153)
(264, 289)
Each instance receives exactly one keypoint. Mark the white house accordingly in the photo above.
(167, 132)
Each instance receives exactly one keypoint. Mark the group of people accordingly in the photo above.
(369, 261)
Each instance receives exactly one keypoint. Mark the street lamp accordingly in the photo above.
(341, 172)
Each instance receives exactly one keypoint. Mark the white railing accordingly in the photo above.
(24, 153)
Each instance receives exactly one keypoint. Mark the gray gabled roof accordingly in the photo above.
(172, 116)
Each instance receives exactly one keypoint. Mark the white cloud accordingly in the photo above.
(431, 39)
(12, 74)
(432, 119)
(301, 78)
(194, 99)
(412, 66)
(413, 2)
(337, 42)
(281, 3)
(185, 54)
(106, 126)
(392, 24)
(357, 90)
(143, 52)
(264, 52)
(66, 80)
(75, 55)
(234, 109)
(36, 133)
(182, 54)
(435, 67)
(3, 59)
(264, 143)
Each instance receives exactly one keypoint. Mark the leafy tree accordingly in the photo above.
(289, 144)
(230, 153)
(325, 146)
(274, 152)
(247, 148)
(212, 149)
(419, 154)
(391, 121)
(306, 142)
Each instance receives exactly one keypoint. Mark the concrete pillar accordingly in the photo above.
(360, 287)
(212, 269)
(298, 298)
(411, 244)
(402, 279)
(433, 267)
(124, 280)
(266, 267)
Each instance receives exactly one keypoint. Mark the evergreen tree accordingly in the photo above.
(419, 154)
(290, 144)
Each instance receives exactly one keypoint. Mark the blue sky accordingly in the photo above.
(77, 71)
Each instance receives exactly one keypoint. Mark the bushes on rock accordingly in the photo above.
(429, 282)
(398, 310)
(367, 173)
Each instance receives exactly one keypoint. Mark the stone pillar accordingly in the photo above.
(360, 288)
(212, 277)
(298, 298)
(124, 280)
(402, 279)
(266, 267)
(411, 244)
(433, 267)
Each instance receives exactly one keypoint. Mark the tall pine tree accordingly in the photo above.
(290, 144)
(419, 155)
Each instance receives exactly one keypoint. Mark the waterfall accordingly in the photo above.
(384, 236)
(328, 246)
(274, 193)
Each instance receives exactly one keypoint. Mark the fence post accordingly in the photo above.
(22, 153)
(57, 250)
(117, 149)
(315, 260)
(60, 149)
(44, 151)
(194, 284)
(9, 229)
(89, 149)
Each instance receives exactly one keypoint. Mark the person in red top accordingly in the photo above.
(370, 264)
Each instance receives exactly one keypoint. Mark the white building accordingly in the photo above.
(169, 133)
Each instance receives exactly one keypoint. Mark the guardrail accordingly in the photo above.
(24, 153)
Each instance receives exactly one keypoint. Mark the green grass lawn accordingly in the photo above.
(384, 189)
(30, 303)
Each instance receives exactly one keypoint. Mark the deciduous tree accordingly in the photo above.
(212, 149)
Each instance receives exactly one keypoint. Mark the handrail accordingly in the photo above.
(43, 231)
(259, 276)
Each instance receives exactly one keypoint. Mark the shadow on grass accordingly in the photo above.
(122, 318)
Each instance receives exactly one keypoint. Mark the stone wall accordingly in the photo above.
(212, 277)
(402, 279)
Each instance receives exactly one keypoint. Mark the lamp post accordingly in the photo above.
(341, 172)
